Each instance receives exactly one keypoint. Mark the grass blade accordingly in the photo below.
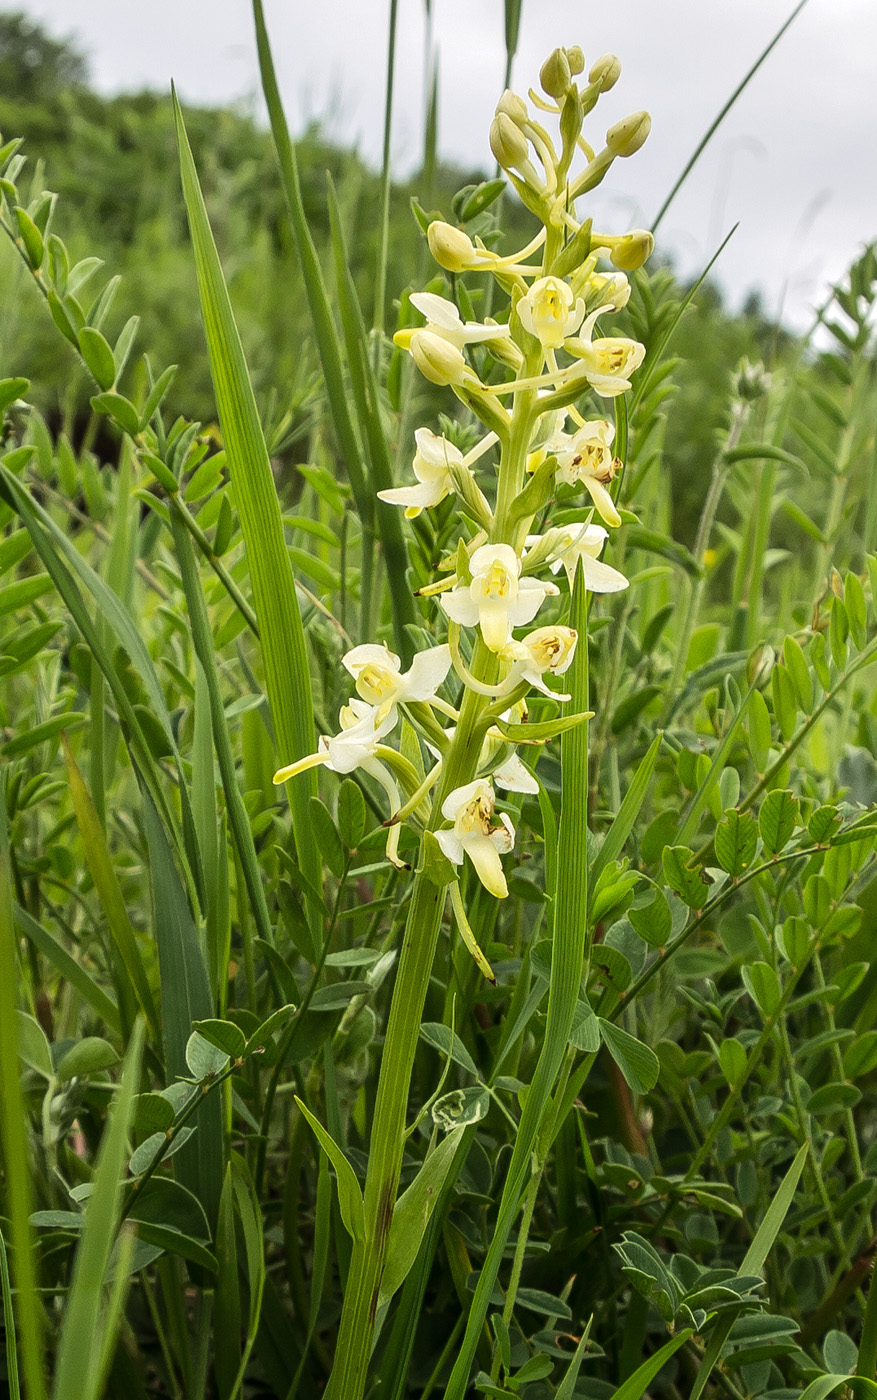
(13, 1120)
(109, 893)
(365, 391)
(622, 825)
(9, 1325)
(328, 346)
(79, 978)
(753, 1263)
(85, 1339)
(711, 130)
(185, 997)
(287, 673)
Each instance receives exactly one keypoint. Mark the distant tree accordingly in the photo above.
(33, 66)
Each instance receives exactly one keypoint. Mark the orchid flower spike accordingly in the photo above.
(377, 672)
(585, 542)
(470, 808)
(432, 462)
(586, 458)
(497, 599)
(550, 313)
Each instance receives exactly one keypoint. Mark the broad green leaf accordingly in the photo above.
(412, 1211)
(204, 1058)
(352, 816)
(88, 1056)
(638, 1063)
(349, 1194)
(777, 819)
(799, 671)
(33, 1046)
(98, 356)
(225, 1035)
(326, 836)
(691, 884)
(733, 1059)
(736, 840)
(172, 1218)
(763, 986)
(759, 730)
(448, 1044)
(653, 922)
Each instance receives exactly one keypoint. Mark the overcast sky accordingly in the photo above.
(794, 162)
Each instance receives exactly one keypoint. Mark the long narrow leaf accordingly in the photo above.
(185, 997)
(622, 825)
(753, 1263)
(315, 287)
(284, 651)
(365, 390)
(83, 1337)
(13, 1121)
(711, 130)
(109, 892)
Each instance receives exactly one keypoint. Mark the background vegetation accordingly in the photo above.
(701, 1213)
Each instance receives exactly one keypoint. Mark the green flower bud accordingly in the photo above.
(438, 360)
(576, 60)
(628, 135)
(631, 251)
(508, 143)
(555, 75)
(514, 107)
(451, 247)
(605, 72)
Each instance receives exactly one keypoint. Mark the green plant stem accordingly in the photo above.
(866, 1365)
(518, 1260)
(569, 962)
(384, 247)
(804, 1129)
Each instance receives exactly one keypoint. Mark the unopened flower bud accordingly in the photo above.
(576, 60)
(514, 107)
(631, 251)
(628, 135)
(508, 143)
(555, 75)
(751, 381)
(451, 247)
(438, 360)
(605, 72)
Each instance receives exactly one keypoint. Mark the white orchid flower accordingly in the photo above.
(470, 808)
(609, 361)
(354, 746)
(585, 457)
(550, 312)
(443, 320)
(437, 347)
(377, 672)
(585, 542)
(547, 650)
(515, 776)
(432, 462)
(497, 599)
